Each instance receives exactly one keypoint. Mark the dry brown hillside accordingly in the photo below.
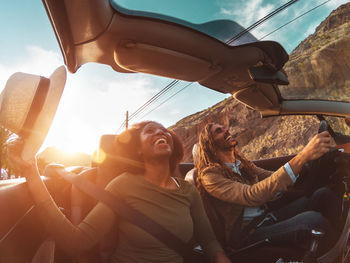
(257, 137)
(322, 60)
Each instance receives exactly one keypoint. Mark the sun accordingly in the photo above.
(72, 138)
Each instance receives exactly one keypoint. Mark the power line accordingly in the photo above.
(262, 20)
(166, 100)
(259, 22)
(154, 98)
(242, 35)
(251, 27)
(149, 102)
(312, 9)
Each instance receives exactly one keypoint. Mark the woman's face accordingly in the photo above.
(156, 141)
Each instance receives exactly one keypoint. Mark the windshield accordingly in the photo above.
(194, 14)
(295, 24)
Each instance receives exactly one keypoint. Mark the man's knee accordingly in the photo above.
(315, 220)
(323, 193)
(326, 202)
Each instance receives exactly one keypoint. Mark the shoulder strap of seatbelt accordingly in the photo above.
(129, 213)
(252, 225)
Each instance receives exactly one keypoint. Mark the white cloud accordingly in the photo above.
(311, 29)
(227, 12)
(174, 112)
(5, 73)
(247, 12)
(34, 60)
(40, 61)
(335, 3)
(91, 104)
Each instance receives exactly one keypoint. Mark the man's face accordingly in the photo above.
(222, 138)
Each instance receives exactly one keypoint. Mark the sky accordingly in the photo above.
(96, 98)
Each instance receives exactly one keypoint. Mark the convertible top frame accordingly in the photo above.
(131, 41)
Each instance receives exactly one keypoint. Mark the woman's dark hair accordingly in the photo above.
(128, 142)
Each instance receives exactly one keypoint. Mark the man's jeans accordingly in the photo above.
(295, 220)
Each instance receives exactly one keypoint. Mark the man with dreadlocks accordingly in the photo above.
(235, 190)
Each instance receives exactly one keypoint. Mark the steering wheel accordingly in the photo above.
(323, 126)
(320, 171)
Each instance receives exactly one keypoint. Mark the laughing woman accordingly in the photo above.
(152, 190)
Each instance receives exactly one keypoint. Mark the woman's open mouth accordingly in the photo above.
(160, 141)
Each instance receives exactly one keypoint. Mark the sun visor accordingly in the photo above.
(159, 61)
(259, 97)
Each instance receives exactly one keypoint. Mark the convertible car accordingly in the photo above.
(135, 40)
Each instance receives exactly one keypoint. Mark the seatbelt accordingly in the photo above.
(127, 212)
(237, 237)
(251, 227)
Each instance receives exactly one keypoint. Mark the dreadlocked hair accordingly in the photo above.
(208, 156)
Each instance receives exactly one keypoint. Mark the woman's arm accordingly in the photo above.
(72, 239)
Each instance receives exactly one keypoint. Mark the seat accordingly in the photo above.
(101, 174)
(262, 251)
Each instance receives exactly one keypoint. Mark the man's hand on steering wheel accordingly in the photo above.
(320, 144)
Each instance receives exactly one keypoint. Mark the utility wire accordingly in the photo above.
(259, 22)
(262, 20)
(154, 98)
(310, 10)
(242, 33)
(259, 39)
(166, 100)
(149, 102)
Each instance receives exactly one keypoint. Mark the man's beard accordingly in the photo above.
(227, 146)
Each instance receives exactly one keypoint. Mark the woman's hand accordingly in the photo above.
(14, 149)
(220, 257)
(320, 144)
(28, 169)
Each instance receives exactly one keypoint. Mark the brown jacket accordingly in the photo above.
(234, 192)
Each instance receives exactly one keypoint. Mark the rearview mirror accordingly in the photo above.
(266, 74)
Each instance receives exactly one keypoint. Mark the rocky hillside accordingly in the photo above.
(257, 137)
(322, 60)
